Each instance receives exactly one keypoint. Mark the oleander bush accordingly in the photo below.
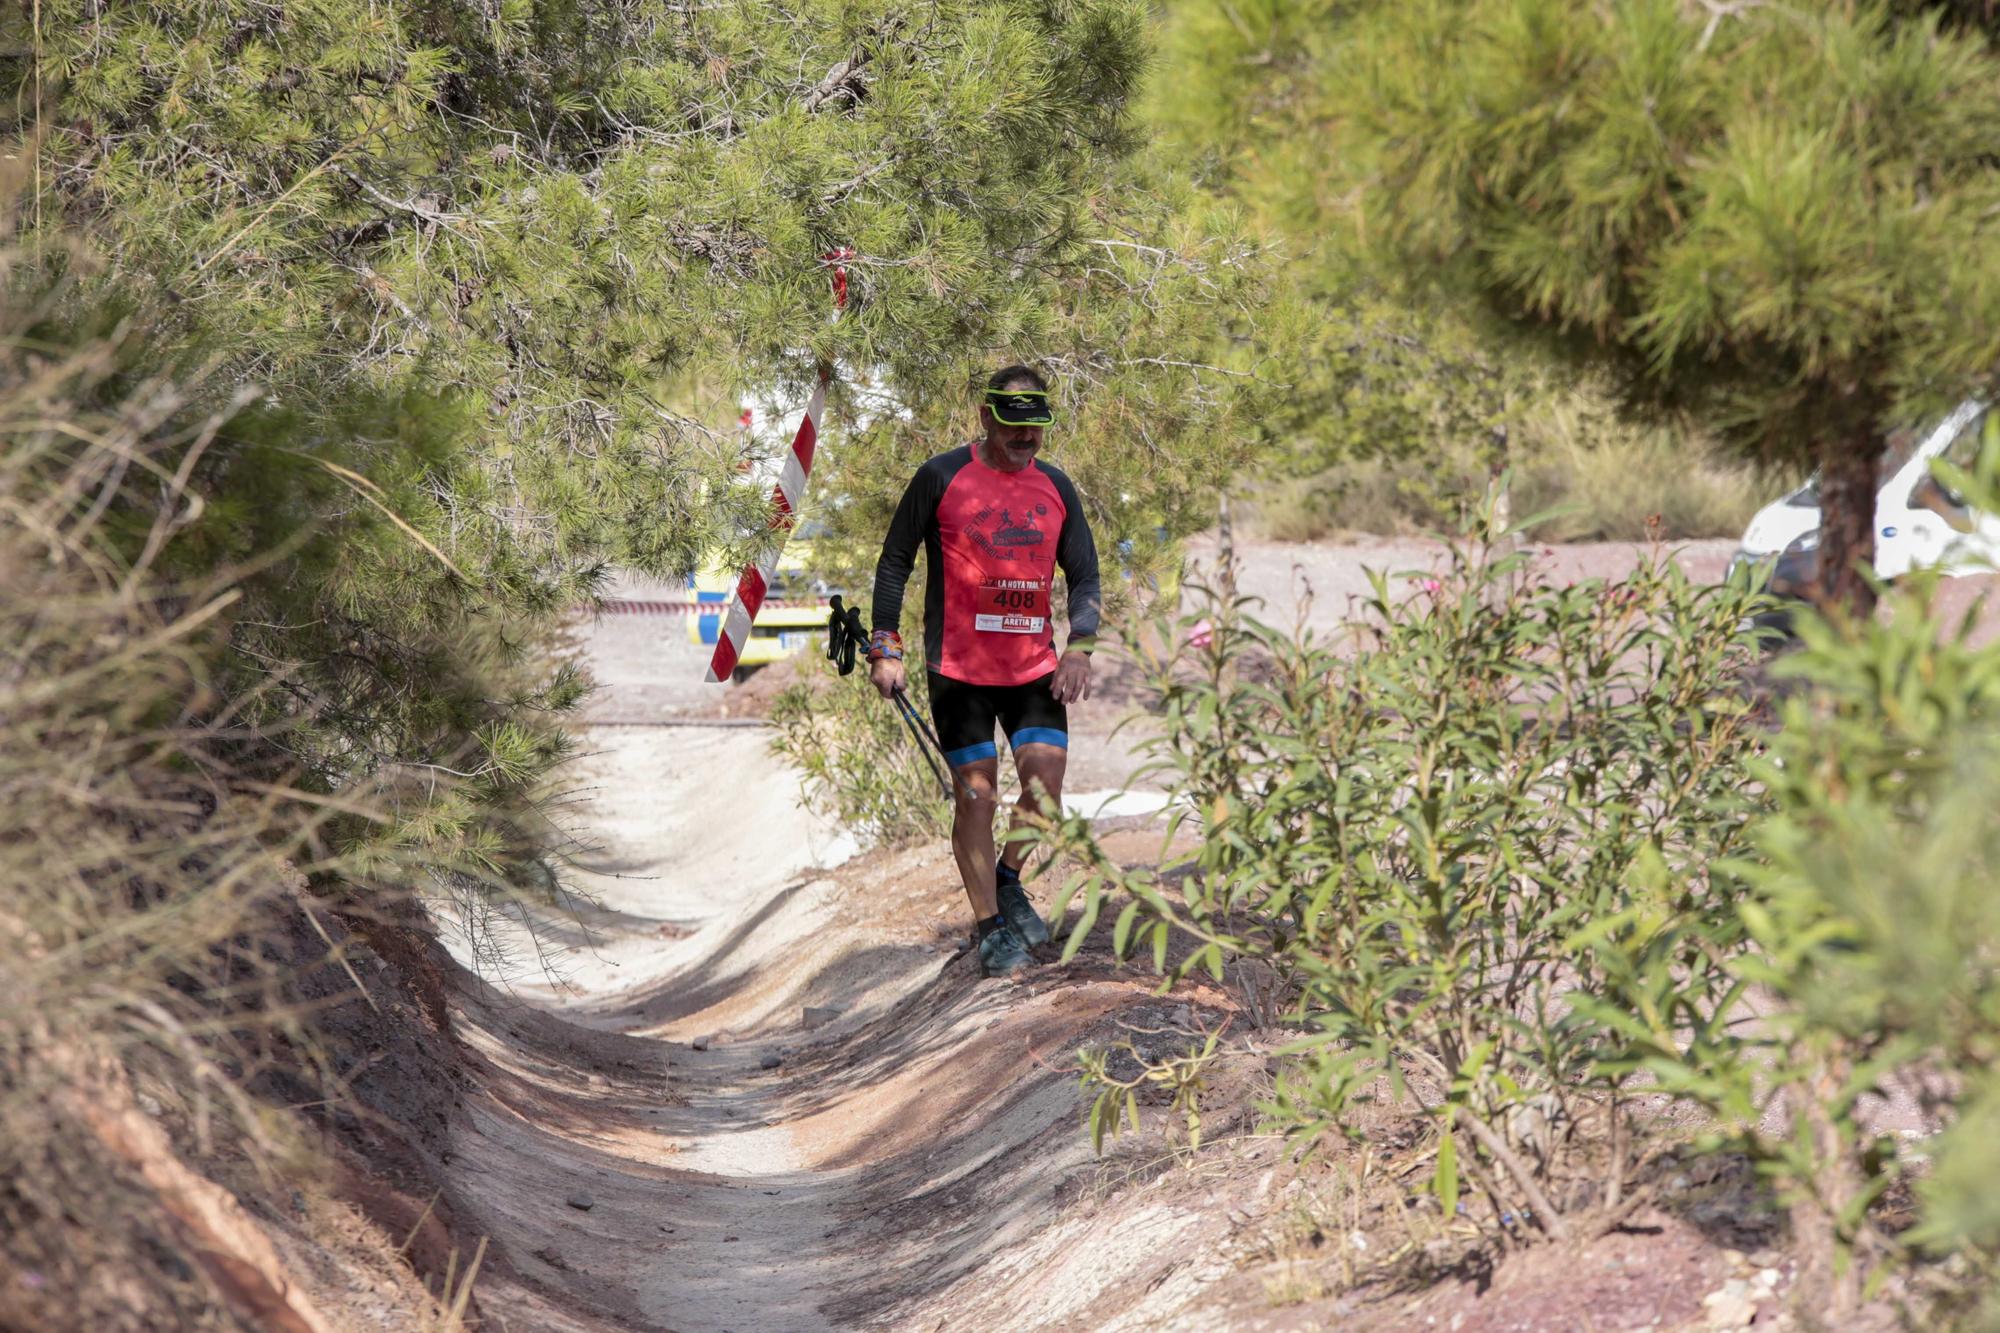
(1521, 853)
(1466, 835)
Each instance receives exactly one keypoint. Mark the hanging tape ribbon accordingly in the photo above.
(755, 580)
(837, 258)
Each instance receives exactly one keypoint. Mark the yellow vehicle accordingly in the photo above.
(793, 615)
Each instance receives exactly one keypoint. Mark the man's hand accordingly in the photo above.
(1072, 679)
(886, 675)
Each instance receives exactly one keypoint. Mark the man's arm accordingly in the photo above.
(1076, 554)
(914, 515)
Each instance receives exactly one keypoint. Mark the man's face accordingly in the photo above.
(1019, 444)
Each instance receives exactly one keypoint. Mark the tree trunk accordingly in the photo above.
(1829, 1282)
(1849, 471)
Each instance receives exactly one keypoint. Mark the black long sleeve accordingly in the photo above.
(915, 516)
(1076, 554)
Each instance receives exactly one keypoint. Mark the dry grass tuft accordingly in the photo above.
(1610, 480)
(147, 854)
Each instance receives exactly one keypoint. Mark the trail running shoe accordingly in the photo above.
(1020, 913)
(1001, 953)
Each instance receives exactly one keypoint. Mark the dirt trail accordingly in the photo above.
(863, 1180)
(702, 1212)
(745, 1168)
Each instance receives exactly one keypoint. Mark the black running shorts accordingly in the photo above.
(965, 715)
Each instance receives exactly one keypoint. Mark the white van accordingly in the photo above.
(1919, 524)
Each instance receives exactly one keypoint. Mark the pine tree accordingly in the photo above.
(556, 210)
(1377, 369)
(1773, 217)
(480, 286)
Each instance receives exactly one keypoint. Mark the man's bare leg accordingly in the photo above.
(1041, 769)
(975, 798)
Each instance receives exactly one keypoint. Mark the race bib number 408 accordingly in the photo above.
(1012, 606)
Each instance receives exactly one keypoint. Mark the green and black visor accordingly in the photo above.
(1020, 407)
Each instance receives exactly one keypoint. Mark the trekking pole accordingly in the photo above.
(922, 729)
(844, 635)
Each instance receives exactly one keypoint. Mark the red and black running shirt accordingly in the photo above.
(993, 542)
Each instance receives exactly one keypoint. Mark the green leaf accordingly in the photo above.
(1122, 932)
(1445, 1180)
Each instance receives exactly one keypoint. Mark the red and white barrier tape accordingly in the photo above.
(785, 497)
(683, 607)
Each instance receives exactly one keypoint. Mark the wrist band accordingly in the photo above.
(885, 645)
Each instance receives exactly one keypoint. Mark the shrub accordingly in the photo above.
(1479, 840)
(1528, 850)
(1873, 933)
(356, 651)
(155, 834)
(1597, 478)
(1873, 930)
(858, 761)
(856, 758)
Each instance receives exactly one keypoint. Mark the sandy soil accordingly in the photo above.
(914, 1131)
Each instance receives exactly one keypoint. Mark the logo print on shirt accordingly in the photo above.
(1008, 540)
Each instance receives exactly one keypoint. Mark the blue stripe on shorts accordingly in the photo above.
(1055, 736)
(972, 754)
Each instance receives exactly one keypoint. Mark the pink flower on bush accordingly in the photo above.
(1201, 635)
(1430, 586)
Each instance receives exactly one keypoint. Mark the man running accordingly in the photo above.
(995, 524)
